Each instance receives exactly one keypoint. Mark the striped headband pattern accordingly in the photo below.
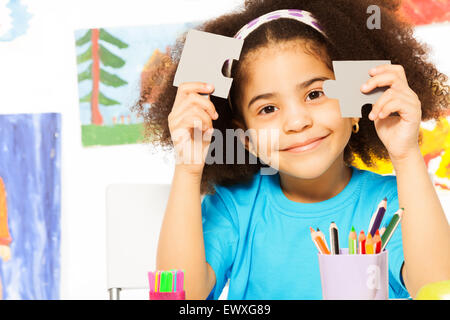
(299, 15)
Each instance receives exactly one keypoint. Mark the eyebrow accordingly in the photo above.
(299, 86)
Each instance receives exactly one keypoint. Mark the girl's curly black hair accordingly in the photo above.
(349, 38)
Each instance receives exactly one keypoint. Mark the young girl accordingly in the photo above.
(253, 228)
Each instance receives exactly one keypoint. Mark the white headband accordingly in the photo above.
(299, 15)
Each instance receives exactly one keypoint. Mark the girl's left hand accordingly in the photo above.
(399, 134)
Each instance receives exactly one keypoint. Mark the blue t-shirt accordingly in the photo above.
(260, 240)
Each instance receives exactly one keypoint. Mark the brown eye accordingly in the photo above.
(267, 109)
(315, 94)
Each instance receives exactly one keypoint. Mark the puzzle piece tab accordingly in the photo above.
(350, 76)
(203, 57)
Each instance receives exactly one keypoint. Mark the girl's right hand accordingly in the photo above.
(190, 125)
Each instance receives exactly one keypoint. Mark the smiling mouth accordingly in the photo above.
(306, 147)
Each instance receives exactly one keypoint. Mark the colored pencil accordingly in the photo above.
(163, 282)
(352, 242)
(377, 217)
(320, 233)
(318, 241)
(382, 231)
(174, 279)
(323, 247)
(377, 241)
(180, 280)
(369, 245)
(157, 280)
(322, 236)
(168, 287)
(362, 242)
(334, 238)
(151, 280)
(313, 236)
(396, 218)
(169, 281)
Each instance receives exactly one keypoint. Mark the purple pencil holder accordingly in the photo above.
(354, 276)
(180, 295)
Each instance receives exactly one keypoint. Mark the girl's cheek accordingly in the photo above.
(332, 109)
(268, 140)
(342, 127)
(330, 116)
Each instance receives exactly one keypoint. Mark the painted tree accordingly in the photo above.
(99, 56)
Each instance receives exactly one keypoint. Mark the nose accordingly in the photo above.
(296, 118)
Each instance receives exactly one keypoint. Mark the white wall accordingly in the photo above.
(38, 74)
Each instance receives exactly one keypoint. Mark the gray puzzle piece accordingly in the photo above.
(203, 57)
(350, 76)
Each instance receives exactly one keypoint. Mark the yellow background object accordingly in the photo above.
(435, 291)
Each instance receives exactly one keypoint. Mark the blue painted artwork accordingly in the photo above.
(14, 19)
(30, 206)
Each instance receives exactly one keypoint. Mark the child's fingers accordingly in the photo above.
(394, 68)
(404, 109)
(387, 96)
(390, 107)
(195, 87)
(197, 118)
(203, 102)
(387, 79)
(378, 105)
(193, 120)
(185, 99)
